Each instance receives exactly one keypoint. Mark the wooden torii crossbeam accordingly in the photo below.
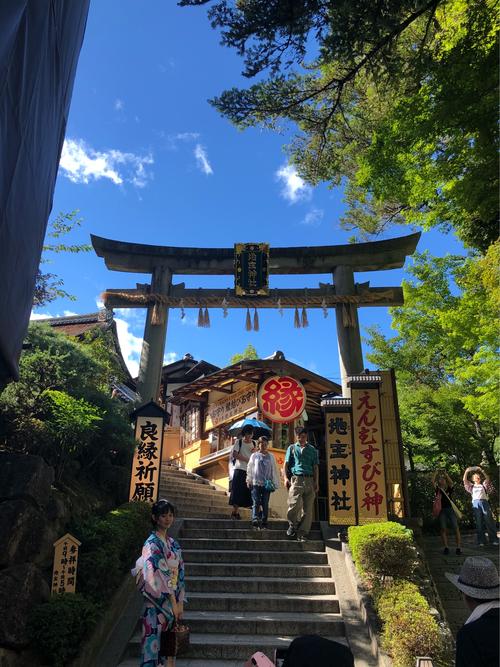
(162, 262)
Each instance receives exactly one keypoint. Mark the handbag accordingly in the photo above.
(454, 507)
(269, 485)
(436, 505)
(175, 641)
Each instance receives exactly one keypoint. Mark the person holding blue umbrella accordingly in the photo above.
(239, 456)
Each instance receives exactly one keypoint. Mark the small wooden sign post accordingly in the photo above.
(65, 564)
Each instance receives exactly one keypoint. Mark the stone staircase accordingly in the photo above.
(248, 590)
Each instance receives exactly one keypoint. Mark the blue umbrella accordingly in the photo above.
(259, 428)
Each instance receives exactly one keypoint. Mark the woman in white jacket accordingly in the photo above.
(262, 480)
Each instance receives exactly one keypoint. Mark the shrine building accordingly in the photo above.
(202, 411)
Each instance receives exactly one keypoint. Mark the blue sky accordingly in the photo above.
(147, 159)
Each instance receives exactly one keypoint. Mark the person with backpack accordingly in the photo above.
(239, 456)
(160, 577)
(262, 480)
(479, 489)
(301, 472)
(445, 509)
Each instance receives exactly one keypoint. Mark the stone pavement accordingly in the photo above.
(451, 598)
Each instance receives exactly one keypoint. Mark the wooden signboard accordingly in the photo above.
(65, 564)
(369, 453)
(340, 462)
(251, 269)
(145, 478)
(230, 407)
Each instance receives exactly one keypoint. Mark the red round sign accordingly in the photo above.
(282, 398)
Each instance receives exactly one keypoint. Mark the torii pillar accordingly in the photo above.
(155, 335)
(348, 332)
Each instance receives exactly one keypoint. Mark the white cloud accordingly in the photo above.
(69, 313)
(187, 136)
(40, 316)
(119, 105)
(313, 218)
(202, 160)
(81, 163)
(130, 344)
(294, 187)
(170, 357)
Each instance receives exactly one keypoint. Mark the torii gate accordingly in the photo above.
(345, 295)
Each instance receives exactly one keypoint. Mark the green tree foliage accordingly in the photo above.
(62, 409)
(397, 100)
(48, 286)
(248, 353)
(70, 423)
(446, 359)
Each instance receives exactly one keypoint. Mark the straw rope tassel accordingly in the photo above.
(255, 320)
(200, 317)
(305, 321)
(346, 320)
(157, 316)
(206, 319)
(352, 312)
(296, 321)
(248, 322)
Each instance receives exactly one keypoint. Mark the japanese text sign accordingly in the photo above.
(230, 407)
(369, 454)
(340, 465)
(282, 398)
(251, 273)
(65, 564)
(145, 479)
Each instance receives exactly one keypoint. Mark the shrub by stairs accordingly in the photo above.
(248, 590)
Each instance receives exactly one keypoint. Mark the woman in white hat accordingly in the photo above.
(478, 639)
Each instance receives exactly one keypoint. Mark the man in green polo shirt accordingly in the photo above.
(301, 475)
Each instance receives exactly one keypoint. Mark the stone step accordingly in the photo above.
(253, 545)
(264, 623)
(267, 602)
(255, 557)
(273, 524)
(212, 498)
(254, 584)
(190, 662)
(229, 646)
(198, 490)
(235, 533)
(248, 569)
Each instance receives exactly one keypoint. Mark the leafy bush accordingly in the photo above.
(389, 600)
(411, 633)
(382, 549)
(57, 627)
(110, 545)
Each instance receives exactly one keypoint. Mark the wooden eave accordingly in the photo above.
(255, 371)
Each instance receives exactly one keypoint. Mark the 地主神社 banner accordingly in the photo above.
(340, 463)
(145, 479)
(369, 454)
(251, 269)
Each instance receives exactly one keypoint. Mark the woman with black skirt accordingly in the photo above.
(240, 455)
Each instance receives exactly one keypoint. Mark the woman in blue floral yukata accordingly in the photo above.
(162, 580)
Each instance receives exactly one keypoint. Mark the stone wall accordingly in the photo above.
(32, 515)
